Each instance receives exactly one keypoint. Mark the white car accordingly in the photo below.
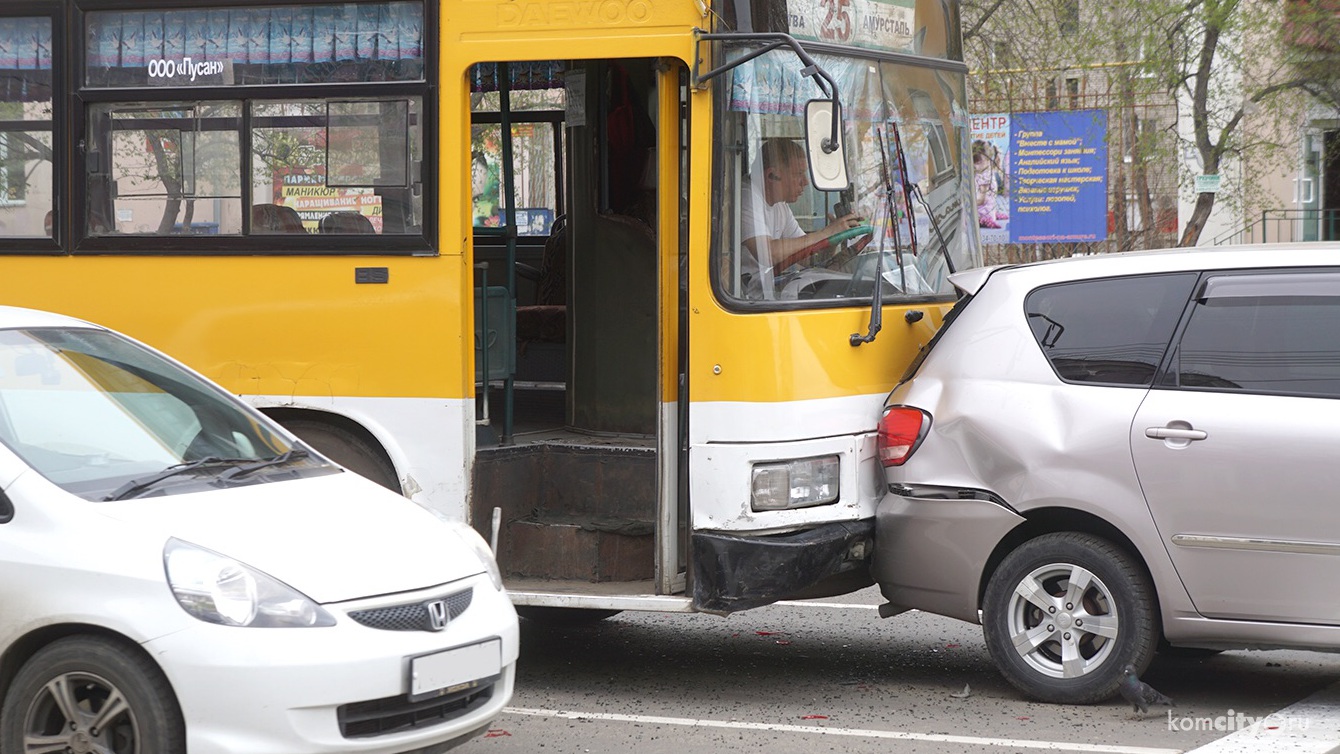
(179, 574)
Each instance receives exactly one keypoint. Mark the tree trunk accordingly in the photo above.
(1196, 223)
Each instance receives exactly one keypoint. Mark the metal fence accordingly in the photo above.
(1287, 226)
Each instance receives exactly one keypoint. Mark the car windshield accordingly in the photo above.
(103, 417)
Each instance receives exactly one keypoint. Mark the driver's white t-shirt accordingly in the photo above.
(760, 220)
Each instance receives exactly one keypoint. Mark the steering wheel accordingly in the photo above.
(859, 230)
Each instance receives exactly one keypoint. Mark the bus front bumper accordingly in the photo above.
(733, 572)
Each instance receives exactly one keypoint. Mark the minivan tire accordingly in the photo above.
(1117, 600)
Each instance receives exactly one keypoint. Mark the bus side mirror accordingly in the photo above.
(828, 161)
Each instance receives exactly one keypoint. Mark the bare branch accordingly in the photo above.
(976, 28)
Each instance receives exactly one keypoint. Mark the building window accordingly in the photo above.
(1067, 16)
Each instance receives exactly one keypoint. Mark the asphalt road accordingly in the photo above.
(828, 677)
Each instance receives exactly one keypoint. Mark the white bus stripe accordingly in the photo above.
(852, 732)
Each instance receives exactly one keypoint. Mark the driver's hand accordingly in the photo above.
(846, 222)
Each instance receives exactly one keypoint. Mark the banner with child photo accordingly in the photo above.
(991, 181)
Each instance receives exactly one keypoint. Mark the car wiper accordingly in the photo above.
(135, 486)
(292, 454)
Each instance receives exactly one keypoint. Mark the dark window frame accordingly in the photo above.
(75, 124)
(54, 10)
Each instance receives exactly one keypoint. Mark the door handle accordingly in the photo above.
(1170, 433)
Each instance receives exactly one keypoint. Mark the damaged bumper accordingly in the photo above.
(933, 548)
(732, 572)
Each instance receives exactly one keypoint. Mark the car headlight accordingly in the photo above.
(481, 549)
(797, 483)
(218, 589)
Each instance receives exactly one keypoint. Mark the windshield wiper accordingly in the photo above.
(135, 486)
(877, 294)
(292, 454)
(935, 226)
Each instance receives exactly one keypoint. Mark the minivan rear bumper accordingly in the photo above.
(733, 572)
(931, 551)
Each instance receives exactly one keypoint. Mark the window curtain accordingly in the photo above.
(269, 36)
(25, 59)
(542, 74)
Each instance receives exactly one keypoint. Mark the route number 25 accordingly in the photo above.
(837, 20)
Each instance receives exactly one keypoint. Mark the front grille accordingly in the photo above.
(413, 616)
(397, 713)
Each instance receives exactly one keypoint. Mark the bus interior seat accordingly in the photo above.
(275, 218)
(345, 222)
(546, 320)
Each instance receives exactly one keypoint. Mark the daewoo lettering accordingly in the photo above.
(592, 13)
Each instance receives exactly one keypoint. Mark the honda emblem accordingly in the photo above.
(437, 614)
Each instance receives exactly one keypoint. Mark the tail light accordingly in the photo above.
(901, 430)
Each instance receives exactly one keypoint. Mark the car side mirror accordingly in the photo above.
(6, 508)
(828, 159)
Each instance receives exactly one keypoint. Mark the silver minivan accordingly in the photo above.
(1104, 457)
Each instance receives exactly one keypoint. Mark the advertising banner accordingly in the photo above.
(1058, 176)
(990, 176)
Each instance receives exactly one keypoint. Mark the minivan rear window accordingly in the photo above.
(1110, 331)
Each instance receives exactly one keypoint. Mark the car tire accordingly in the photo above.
(1071, 650)
(347, 449)
(88, 671)
(564, 616)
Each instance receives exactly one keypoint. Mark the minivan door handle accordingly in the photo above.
(1170, 433)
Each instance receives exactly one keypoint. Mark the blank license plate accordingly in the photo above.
(454, 669)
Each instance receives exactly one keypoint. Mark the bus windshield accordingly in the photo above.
(779, 241)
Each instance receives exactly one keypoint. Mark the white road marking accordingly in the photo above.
(803, 603)
(1311, 726)
(851, 732)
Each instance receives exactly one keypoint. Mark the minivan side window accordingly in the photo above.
(1268, 333)
(1110, 331)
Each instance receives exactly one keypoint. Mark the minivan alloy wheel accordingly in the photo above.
(1061, 620)
(1064, 612)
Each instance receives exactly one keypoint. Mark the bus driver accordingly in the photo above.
(771, 236)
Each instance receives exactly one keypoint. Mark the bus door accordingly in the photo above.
(576, 206)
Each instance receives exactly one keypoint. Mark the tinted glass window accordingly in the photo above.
(1267, 343)
(27, 188)
(1112, 331)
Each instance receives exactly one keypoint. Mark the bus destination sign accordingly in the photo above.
(874, 24)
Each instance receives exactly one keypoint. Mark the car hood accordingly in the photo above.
(334, 538)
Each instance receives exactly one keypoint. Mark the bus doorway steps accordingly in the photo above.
(571, 510)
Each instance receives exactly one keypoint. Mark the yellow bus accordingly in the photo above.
(622, 283)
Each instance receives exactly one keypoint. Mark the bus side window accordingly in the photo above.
(164, 168)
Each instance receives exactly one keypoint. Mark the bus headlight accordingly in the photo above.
(797, 483)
